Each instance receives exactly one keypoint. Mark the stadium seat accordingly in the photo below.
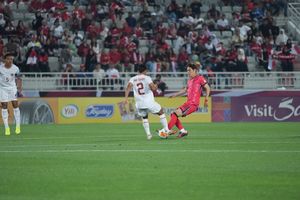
(204, 8)
(13, 6)
(22, 7)
(143, 43)
(237, 8)
(226, 34)
(143, 50)
(18, 16)
(226, 9)
(53, 64)
(76, 61)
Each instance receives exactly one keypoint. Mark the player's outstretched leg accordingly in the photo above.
(17, 119)
(147, 128)
(5, 121)
(173, 120)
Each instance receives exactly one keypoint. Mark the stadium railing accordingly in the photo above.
(174, 81)
(294, 11)
(294, 17)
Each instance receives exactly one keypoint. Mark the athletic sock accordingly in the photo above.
(183, 130)
(179, 125)
(146, 126)
(5, 117)
(172, 121)
(17, 116)
(164, 122)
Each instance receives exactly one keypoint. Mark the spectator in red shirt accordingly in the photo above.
(35, 5)
(92, 30)
(48, 4)
(286, 59)
(138, 31)
(80, 14)
(43, 61)
(83, 50)
(115, 56)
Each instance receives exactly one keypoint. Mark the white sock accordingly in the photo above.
(5, 117)
(183, 130)
(164, 122)
(17, 116)
(146, 126)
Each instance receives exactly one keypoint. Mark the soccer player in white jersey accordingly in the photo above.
(9, 82)
(143, 86)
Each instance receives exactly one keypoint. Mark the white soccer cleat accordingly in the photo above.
(149, 137)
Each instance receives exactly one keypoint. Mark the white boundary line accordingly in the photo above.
(130, 144)
(5, 138)
(150, 151)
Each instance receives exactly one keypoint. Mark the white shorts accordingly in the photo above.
(152, 108)
(8, 94)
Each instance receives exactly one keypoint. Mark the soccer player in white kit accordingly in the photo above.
(9, 82)
(143, 86)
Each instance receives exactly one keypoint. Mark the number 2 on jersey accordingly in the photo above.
(140, 87)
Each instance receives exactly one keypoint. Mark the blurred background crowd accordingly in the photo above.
(108, 37)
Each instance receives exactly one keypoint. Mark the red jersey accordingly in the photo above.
(194, 89)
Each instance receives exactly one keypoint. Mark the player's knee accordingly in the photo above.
(178, 112)
(161, 112)
(4, 105)
(15, 104)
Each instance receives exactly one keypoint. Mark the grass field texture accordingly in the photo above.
(217, 161)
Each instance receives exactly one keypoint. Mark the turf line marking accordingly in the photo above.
(4, 139)
(129, 144)
(149, 151)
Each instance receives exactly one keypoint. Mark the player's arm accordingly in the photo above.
(19, 83)
(207, 89)
(179, 93)
(153, 86)
(127, 91)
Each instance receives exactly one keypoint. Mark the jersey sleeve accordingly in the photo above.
(202, 81)
(148, 80)
(17, 74)
(131, 80)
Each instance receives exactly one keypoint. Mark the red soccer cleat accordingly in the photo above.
(182, 134)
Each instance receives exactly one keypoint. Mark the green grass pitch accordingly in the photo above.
(217, 161)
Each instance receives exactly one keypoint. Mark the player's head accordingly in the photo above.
(142, 69)
(8, 59)
(192, 69)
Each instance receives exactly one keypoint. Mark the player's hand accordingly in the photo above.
(206, 103)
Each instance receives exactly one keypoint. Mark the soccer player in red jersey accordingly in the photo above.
(194, 88)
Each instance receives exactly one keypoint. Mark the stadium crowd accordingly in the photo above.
(106, 37)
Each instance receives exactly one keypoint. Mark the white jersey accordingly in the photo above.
(8, 76)
(142, 93)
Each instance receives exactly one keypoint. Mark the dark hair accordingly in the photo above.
(142, 68)
(8, 54)
(193, 66)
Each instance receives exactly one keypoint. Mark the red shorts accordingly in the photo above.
(188, 108)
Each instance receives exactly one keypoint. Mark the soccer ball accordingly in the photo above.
(162, 133)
